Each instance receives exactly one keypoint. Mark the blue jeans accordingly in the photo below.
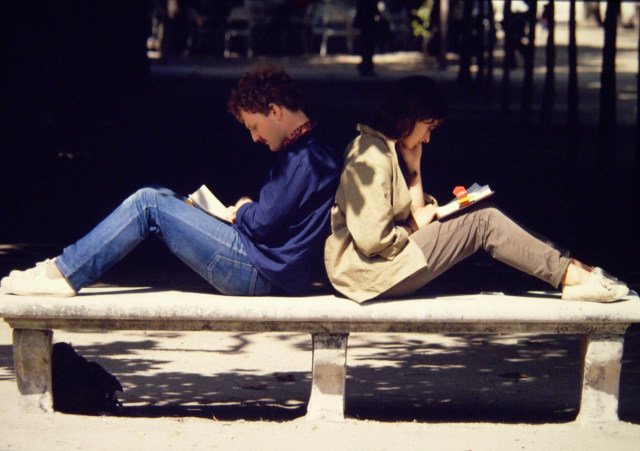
(210, 247)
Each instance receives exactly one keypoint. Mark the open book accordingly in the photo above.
(464, 198)
(207, 202)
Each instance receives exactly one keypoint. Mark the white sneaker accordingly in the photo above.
(606, 275)
(34, 282)
(17, 272)
(5, 283)
(599, 287)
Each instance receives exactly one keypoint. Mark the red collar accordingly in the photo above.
(298, 132)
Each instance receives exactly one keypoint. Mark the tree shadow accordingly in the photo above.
(470, 378)
(242, 394)
(430, 378)
(6, 363)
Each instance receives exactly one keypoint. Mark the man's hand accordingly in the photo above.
(242, 201)
(232, 210)
(231, 214)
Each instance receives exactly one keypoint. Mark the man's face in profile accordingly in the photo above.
(265, 129)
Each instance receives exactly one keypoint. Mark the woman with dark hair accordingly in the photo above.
(386, 241)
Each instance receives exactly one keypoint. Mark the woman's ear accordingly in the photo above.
(276, 110)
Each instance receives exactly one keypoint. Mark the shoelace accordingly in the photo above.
(39, 268)
(608, 276)
(42, 265)
(30, 270)
(607, 283)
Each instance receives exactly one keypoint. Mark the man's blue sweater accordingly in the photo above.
(285, 230)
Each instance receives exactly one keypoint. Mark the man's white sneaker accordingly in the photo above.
(5, 283)
(34, 282)
(18, 272)
(599, 287)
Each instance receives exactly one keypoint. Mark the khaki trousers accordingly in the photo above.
(448, 242)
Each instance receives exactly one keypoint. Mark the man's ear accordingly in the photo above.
(276, 110)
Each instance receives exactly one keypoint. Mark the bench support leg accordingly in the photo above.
(602, 355)
(32, 363)
(329, 377)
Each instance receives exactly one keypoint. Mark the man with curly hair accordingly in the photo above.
(269, 245)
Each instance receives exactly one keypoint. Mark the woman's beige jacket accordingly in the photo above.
(369, 251)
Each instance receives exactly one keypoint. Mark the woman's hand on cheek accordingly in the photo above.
(425, 215)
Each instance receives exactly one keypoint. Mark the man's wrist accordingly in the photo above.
(242, 201)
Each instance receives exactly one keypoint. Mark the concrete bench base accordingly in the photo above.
(329, 320)
(602, 354)
(32, 363)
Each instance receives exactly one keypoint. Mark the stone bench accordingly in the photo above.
(330, 320)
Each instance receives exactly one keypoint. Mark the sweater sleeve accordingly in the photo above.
(278, 199)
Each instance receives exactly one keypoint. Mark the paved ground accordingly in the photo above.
(191, 390)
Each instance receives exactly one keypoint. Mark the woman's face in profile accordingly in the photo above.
(421, 133)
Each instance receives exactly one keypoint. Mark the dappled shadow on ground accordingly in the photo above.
(470, 378)
(629, 409)
(432, 378)
(6, 363)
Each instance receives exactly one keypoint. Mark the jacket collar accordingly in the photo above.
(365, 129)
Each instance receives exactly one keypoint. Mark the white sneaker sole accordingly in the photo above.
(618, 296)
(31, 293)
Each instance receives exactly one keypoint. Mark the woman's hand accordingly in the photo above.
(425, 215)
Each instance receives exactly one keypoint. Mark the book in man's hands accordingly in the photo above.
(204, 199)
(464, 198)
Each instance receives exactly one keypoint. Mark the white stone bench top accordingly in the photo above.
(153, 304)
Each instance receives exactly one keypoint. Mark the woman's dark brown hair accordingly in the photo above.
(410, 100)
(263, 86)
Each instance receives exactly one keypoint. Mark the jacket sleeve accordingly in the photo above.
(365, 197)
(280, 198)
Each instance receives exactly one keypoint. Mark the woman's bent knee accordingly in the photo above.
(490, 211)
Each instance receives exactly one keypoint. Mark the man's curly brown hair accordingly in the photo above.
(263, 86)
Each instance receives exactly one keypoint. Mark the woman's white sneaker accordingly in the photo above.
(599, 287)
(606, 275)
